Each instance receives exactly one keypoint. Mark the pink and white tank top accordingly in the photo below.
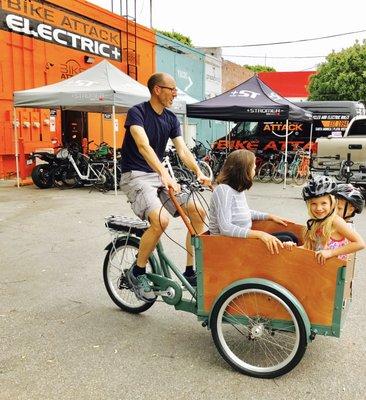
(336, 244)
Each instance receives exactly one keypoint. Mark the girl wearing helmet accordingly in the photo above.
(327, 233)
(350, 201)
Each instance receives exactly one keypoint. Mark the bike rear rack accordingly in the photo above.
(120, 223)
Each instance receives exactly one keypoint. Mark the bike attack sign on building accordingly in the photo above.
(53, 24)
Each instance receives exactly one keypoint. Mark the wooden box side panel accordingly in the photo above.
(350, 271)
(227, 259)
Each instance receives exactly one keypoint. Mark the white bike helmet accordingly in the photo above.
(319, 186)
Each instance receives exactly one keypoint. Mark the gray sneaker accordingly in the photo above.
(141, 285)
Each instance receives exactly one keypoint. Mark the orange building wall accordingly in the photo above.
(27, 62)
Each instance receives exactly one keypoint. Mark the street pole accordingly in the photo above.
(151, 23)
(114, 149)
(286, 144)
(311, 138)
(15, 126)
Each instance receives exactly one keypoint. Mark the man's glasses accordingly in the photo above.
(172, 89)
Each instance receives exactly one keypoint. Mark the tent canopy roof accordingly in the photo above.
(97, 89)
(252, 100)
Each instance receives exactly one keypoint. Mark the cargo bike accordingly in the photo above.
(262, 309)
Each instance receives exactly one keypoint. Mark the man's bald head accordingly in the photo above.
(159, 78)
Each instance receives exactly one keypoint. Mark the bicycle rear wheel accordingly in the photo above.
(105, 179)
(258, 330)
(117, 262)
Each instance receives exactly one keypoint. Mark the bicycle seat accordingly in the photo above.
(121, 223)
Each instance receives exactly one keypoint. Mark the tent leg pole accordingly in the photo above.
(101, 137)
(15, 127)
(114, 149)
(311, 139)
(286, 144)
(185, 129)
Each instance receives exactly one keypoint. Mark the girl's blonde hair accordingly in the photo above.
(319, 229)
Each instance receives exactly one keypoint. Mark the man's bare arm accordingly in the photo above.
(187, 157)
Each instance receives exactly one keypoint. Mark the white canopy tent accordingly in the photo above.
(180, 102)
(102, 88)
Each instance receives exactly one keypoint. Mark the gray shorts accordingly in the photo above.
(141, 189)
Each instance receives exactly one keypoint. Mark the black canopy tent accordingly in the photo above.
(252, 100)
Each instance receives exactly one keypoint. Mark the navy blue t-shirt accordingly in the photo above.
(158, 128)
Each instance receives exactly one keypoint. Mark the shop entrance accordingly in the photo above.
(74, 126)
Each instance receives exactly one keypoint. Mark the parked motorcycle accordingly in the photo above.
(43, 175)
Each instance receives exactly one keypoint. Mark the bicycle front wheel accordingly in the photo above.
(258, 330)
(265, 172)
(117, 262)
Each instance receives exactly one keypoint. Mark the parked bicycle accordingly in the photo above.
(302, 173)
(180, 171)
(267, 169)
(280, 169)
(200, 152)
(82, 170)
(215, 159)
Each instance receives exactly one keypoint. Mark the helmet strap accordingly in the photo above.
(345, 216)
(310, 222)
(345, 210)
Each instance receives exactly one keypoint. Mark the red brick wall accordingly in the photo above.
(233, 74)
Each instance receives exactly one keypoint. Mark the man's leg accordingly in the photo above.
(197, 215)
(141, 190)
(159, 221)
(136, 276)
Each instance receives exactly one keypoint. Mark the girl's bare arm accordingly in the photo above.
(355, 241)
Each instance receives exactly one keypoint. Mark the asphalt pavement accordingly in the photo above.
(61, 337)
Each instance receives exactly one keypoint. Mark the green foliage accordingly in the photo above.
(342, 76)
(178, 36)
(259, 68)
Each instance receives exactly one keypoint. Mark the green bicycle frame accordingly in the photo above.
(162, 280)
